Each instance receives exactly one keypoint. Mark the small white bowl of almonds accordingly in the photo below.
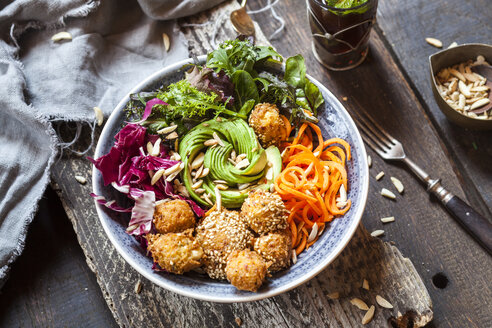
(460, 84)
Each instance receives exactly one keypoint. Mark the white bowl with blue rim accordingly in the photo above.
(334, 122)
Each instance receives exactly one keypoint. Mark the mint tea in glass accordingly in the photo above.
(341, 30)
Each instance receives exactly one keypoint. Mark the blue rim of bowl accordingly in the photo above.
(233, 298)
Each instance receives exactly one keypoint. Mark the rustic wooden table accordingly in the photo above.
(393, 85)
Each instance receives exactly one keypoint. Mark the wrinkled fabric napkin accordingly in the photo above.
(115, 45)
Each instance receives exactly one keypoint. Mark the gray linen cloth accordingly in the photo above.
(115, 45)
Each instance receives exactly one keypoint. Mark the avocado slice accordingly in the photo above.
(236, 135)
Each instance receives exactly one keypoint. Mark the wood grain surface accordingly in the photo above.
(449, 21)
(423, 231)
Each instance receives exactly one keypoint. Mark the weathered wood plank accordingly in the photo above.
(389, 274)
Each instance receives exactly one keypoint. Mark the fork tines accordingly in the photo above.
(373, 134)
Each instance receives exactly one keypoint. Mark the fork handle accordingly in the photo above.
(477, 225)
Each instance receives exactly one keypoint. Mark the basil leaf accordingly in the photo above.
(247, 107)
(313, 96)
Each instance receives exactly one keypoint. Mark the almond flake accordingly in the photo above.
(359, 303)
(156, 149)
(218, 199)
(380, 175)
(150, 147)
(454, 72)
(219, 141)
(243, 186)
(479, 103)
(222, 187)
(464, 89)
(61, 36)
(157, 176)
(314, 233)
(80, 179)
(398, 185)
(369, 161)
(377, 233)
(198, 161)
(99, 115)
(294, 256)
(452, 45)
(166, 41)
(171, 136)
(369, 315)
(138, 287)
(204, 173)
(210, 142)
(365, 284)
(167, 129)
(434, 42)
(242, 164)
(388, 194)
(174, 168)
(197, 184)
(383, 303)
(388, 219)
(334, 295)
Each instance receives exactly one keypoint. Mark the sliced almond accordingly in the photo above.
(157, 176)
(242, 164)
(369, 315)
(388, 194)
(174, 168)
(479, 103)
(150, 147)
(167, 129)
(398, 185)
(480, 88)
(156, 149)
(218, 199)
(388, 219)
(240, 157)
(219, 141)
(334, 295)
(80, 179)
(99, 115)
(365, 284)
(243, 186)
(384, 303)
(359, 303)
(343, 194)
(61, 36)
(210, 142)
(377, 233)
(198, 161)
(369, 161)
(464, 89)
(379, 175)
(314, 233)
(461, 101)
(222, 186)
(200, 190)
(434, 42)
(172, 136)
(197, 184)
(233, 155)
(471, 77)
(294, 256)
(454, 72)
(166, 41)
(453, 86)
(204, 173)
(138, 287)
(269, 174)
(452, 45)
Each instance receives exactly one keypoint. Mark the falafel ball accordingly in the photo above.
(275, 248)
(264, 211)
(219, 234)
(268, 125)
(175, 252)
(173, 216)
(246, 270)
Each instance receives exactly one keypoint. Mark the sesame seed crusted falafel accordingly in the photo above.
(175, 252)
(267, 124)
(275, 248)
(173, 216)
(246, 270)
(264, 211)
(219, 234)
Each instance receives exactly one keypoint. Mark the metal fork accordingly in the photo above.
(391, 149)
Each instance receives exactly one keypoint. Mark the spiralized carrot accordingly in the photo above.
(313, 171)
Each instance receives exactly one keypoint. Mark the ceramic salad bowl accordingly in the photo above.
(334, 121)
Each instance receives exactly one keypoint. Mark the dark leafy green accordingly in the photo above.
(245, 88)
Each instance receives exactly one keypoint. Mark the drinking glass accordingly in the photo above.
(341, 35)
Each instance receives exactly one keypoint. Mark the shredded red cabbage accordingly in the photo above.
(126, 168)
(148, 108)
